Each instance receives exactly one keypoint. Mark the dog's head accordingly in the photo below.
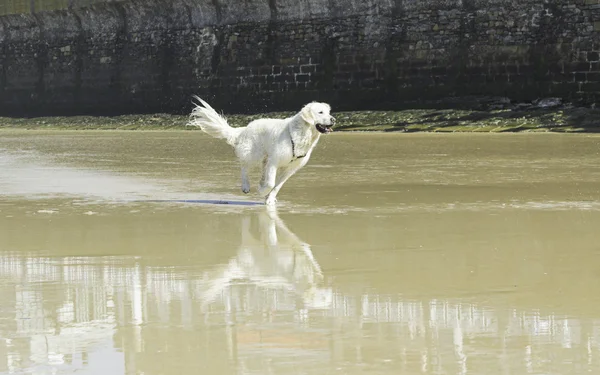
(317, 115)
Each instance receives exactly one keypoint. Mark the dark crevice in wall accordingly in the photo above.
(329, 64)
(393, 52)
(79, 50)
(166, 63)
(271, 42)
(543, 54)
(41, 65)
(457, 72)
(217, 49)
(333, 8)
(274, 11)
(188, 11)
(3, 67)
(218, 11)
(215, 61)
(121, 41)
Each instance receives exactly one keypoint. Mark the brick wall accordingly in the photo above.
(258, 55)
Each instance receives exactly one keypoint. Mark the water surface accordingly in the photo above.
(395, 253)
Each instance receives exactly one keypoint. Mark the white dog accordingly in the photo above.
(279, 146)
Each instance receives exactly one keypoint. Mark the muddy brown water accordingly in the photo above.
(388, 254)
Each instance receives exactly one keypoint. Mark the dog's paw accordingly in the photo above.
(271, 201)
(245, 188)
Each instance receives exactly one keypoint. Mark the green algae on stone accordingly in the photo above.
(411, 120)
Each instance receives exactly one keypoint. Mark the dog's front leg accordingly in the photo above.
(289, 172)
(268, 179)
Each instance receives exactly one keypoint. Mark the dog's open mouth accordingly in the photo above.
(324, 128)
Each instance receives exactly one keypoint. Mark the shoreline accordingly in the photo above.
(555, 120)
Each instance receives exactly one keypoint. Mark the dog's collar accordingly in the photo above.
(294, 157)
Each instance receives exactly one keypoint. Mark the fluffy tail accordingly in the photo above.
(207, 119)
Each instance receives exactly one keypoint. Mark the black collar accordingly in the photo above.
(294, 157)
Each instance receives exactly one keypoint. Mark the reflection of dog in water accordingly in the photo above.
(276, 259)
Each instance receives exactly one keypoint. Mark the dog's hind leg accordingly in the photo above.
(245, 180)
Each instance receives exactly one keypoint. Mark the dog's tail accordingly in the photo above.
(207, 119)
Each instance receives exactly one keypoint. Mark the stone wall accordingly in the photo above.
(263, 55)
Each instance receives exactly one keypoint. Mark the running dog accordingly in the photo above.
(279, 147)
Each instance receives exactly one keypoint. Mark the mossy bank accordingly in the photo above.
(413, 120)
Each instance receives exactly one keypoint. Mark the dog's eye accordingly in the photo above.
(321, 112)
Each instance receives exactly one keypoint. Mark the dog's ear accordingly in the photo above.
(307, 114)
